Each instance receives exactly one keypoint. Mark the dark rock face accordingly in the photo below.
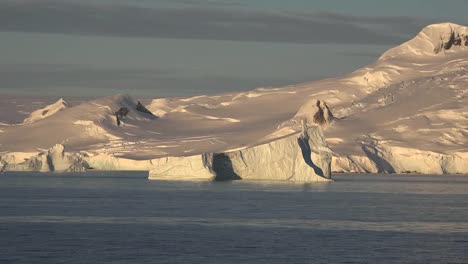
(141, 108)
(451, 40)
(319, 117)
(117, 120)
(323, 115)
(123, 111)
(455, 40)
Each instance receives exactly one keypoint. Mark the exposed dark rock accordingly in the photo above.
(455, 40)
(123, 111)
(319, 117)
(450, 41)
(323, 115)
(117, 120)
(143, 109)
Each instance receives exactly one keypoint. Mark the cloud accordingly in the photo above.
(192, 22)
(373, 55)
(52, 79)
(202, 2)
(397, 25)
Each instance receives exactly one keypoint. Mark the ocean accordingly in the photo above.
(122, 217)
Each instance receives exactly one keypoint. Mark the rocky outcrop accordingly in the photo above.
(453, 39)
(314, 112)
(141, 108)
(323, 115)
(122, 112)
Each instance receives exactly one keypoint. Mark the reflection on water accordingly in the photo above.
(122, 217)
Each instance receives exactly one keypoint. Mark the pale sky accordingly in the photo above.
(160, 48)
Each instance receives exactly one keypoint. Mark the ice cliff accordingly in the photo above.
(53, 160)
(298, 158)
(302, 157)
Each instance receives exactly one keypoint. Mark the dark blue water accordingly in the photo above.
(125, 218)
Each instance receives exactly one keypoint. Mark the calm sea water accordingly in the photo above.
(125, 218)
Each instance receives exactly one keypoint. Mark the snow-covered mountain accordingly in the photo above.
(46, 111)
(407, 112)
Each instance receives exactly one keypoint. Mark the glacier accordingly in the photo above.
(301, 157)
(405, 113)
(53, 160)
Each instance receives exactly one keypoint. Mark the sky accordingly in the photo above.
(164, 48)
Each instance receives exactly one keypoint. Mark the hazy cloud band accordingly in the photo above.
(201, 23)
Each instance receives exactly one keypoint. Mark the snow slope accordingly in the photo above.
(407, 112)
(46, 111)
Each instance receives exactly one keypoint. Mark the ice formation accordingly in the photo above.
(407, 112)
(53, 160)
(46, 111)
